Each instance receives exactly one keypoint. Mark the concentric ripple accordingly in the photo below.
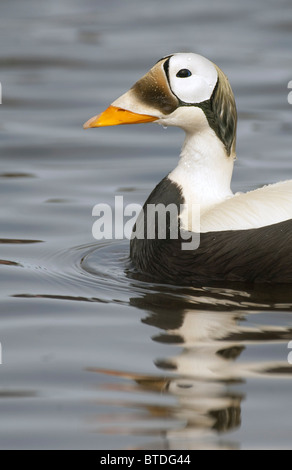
(106, 267)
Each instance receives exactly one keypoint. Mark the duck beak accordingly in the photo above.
(115, 116)
(150, 99)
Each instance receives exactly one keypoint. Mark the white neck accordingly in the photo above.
(204, 170)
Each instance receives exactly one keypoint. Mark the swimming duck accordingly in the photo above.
(243, 237)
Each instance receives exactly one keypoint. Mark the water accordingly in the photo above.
(94, 357)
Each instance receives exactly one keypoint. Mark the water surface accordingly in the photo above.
(94, 357)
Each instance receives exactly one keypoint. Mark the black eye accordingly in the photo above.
(183, 73)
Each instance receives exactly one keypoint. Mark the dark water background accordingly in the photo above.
(92, 357)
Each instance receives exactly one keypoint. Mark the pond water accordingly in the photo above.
(92, 356)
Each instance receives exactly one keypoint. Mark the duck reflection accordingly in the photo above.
(204, 377)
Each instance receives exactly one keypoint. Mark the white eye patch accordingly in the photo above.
(192, 77)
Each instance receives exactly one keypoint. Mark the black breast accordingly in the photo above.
(258, 255)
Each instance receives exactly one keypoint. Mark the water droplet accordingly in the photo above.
(164, 127)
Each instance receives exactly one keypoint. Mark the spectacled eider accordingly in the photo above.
(243, 237)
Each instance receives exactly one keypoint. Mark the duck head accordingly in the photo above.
(184, 90)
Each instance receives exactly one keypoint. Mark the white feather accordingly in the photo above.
(204, 175)
(265, 206)
(200, 85)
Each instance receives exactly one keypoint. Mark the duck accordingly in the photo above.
(241, 237)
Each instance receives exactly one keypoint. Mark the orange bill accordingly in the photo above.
(114, 116)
